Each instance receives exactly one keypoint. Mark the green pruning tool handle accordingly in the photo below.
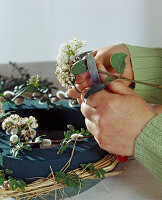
(96, 80)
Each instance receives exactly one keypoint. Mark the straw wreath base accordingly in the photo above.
(49, 186)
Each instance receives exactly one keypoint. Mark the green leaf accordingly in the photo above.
(87, 133)
(91, 167)
(79, 67)
(71, 127)
(10, 178)
(21, 183)
(1, 170)
(8, 171)
(82, 131)
(62, 148)
(108, 79)
(58, 179)
(67, 134)
(60, 174)
(94, 89)
(97, 173)
(13, 184)
(1, 180)
(102, 172)
(31, 88)
(118, 62)
(83, 166)
(22, 188)
(69, 183)
(27, 147)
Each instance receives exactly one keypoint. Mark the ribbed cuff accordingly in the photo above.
(147, 67)
(148, 147)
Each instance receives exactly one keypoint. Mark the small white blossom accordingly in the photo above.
(23, 132)
(34, 125)
(14, 139)
(46, 142)
(32, 136)
(26, 138)
(24, 120)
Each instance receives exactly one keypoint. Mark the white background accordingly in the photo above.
(32, 30)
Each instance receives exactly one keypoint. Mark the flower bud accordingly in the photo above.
(36, 95)
(27, 95)
(8, 131)
(18, 101)
(46, 142)
(8, 94)
(67, 94)
(2, 99)
(14, 131)
(14, 139)
(61, 95)
(76, 135)
(54, 100)
(73, 103)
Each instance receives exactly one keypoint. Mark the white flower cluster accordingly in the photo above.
(34, 80)
(19, 127)
(66, 58)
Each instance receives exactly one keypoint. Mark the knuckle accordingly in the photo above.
(83, 85)
(73, 94)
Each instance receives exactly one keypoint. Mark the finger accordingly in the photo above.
(73, 93)
(95, 52)
(82, 77)
(96, 99)
(79, 100)
(103, 58)
(119, 87)
(89, 112)
(85, 84)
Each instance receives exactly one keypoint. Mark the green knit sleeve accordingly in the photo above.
(147, 67)
(148, 147)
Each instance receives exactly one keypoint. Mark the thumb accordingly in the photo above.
(119, 87)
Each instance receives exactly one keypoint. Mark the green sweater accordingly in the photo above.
(147, 67)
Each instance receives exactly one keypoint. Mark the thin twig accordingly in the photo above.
(130, 80)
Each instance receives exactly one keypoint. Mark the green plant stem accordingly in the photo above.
(130, 80)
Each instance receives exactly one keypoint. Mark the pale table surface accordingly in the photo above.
(136, 183)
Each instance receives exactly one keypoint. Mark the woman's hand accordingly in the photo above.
(116, 119)
(102, 58)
